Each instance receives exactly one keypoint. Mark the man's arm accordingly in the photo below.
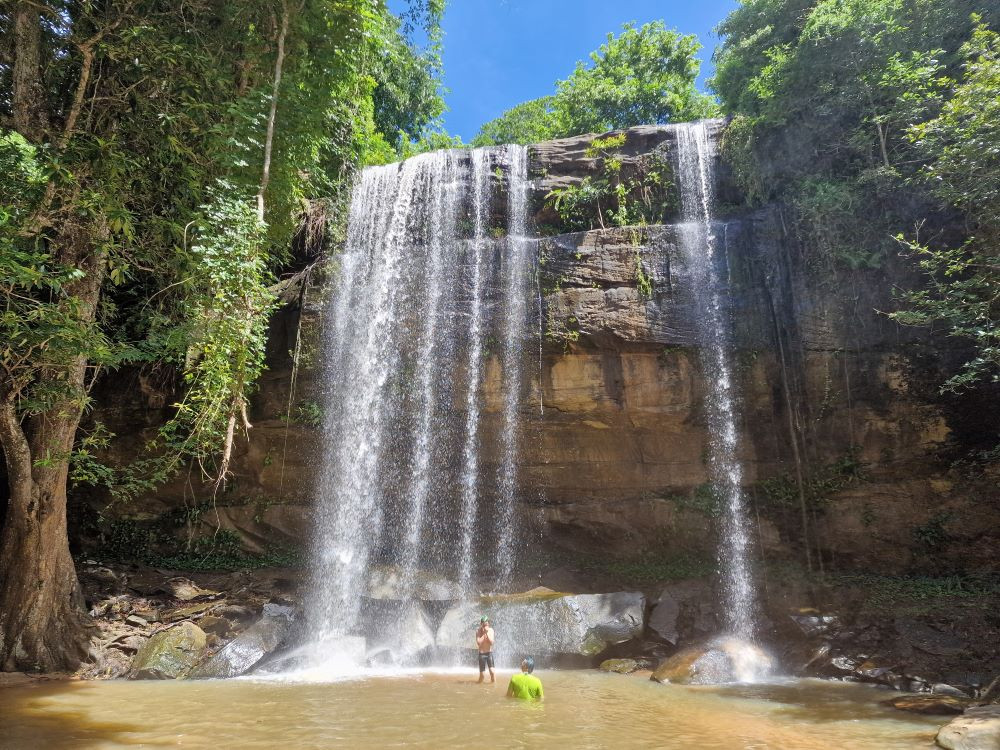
(510, 688)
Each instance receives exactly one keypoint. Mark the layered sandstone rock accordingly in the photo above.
(840, 407)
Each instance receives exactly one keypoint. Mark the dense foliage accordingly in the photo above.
(157, 157)
(875, 118)
(643, 76)
(961, 150)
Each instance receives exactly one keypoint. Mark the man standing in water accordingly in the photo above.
(525, 686)
(484, 642)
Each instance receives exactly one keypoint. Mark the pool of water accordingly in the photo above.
(582, 709)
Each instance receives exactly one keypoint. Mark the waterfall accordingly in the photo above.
(474, 369)
(699, 243)
(414, 483)
(515, 305)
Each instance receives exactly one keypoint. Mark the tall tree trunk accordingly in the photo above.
(272, 117)
(29, 105)
(42, 623)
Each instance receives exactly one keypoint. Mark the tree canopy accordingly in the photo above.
(868, 118)
(157, 158)
(643, 76)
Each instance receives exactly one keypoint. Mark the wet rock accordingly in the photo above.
(718, 661)
(935, 705)
(942, 688)
(814, 625)
(621, 666)
(549, 623)
(236, 613)
(844, 664)
(977, 729)
(169, 654)
(406, 632)
(250, 647)
(388, 582)
(663, 618)
(819, 658)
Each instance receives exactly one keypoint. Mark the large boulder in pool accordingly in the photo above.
(932, 705)
(543, 622)
(719, 661)
(250, 647)
(977, 729)
(390, 582)
(401, 635)
(169, 654)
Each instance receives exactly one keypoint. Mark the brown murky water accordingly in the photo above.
(582, 710)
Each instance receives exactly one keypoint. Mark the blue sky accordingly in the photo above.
(498, 53)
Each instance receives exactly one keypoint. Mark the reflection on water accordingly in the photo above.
(582, 709)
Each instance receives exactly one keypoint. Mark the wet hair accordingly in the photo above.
(529, 663)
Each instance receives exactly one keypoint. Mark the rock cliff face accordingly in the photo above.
(847, 444)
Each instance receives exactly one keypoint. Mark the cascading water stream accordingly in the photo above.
(515, 306)
(404, 495)
(699, 244)
(433, 356)
(474, 368)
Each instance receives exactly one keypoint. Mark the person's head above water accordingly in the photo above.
(528, 665)
(484, 620)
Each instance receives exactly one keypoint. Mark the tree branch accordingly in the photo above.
(269, 140)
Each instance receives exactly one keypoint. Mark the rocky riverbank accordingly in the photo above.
(942, 656)
(153, 622)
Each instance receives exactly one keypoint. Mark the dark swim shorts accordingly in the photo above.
(485, 660)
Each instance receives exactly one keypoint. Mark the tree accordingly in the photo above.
(644, 76)
(156, 177)
(961, 147)
(529, 122)
(828, 89)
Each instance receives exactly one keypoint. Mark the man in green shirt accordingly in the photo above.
(525, 686)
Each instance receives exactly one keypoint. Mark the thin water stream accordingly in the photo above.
(705, 258)
(422, 710)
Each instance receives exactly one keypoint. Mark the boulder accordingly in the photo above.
(400, 635)
(621, 666)
(815, 625)
(544, 622)
(924, 703)
(719, 661)
(389, 582)
(684, 611)
(977, 729)
(663, 618)
(943, 688)
(247, 650)
(170, 653)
